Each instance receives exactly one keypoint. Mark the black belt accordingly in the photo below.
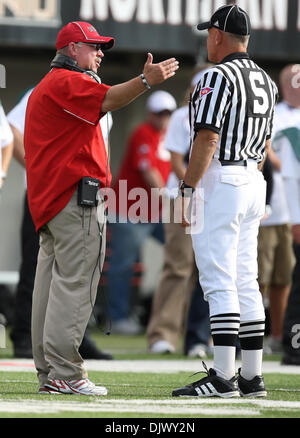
(234, 163)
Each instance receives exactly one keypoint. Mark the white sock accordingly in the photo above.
(251, 363)
(224, 361)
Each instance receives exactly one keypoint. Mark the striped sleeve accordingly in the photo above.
(213, 98)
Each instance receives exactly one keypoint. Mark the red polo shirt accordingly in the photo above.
(63, 140)
(145, 152)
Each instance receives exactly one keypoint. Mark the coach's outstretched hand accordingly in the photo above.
(122, 94)
(158, 73)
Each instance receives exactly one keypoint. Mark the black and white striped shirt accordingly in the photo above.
(236, 99)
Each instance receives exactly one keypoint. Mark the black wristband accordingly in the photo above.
(186, 190)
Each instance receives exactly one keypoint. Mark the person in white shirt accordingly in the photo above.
(288, 144)
(6, 146)
(275, 243)
(290, 156)
(21, 328)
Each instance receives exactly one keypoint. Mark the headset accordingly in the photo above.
(63, 61)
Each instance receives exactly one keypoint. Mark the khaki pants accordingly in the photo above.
(177, 282)
(67, 276)
(276, 259)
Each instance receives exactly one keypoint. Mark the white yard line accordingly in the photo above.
(50, 407)
(147, 366)
(210, 407)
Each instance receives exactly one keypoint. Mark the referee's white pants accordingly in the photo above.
(226, 249)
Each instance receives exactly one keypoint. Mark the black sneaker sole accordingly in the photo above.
(254, 394)
(225, 395)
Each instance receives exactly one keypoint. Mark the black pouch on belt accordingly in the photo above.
(87, 191)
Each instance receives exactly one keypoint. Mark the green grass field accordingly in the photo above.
(141, 394)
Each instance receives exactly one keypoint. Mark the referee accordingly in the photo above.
(232, 112)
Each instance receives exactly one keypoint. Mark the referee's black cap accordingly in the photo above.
(230, 18)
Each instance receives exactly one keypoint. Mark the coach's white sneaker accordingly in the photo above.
(80, 387)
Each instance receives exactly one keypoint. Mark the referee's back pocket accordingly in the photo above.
(235, 180)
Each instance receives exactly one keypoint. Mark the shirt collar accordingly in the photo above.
(237, 55)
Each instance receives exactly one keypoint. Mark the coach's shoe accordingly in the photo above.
(210, 386)
(47, 391)
(79, 387)
(251, 388)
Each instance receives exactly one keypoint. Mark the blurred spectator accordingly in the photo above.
(6, 150)
(21, 328)
(146, 166)
(290, 147)
(287, 143)
(6, 146)
(275, 255)
(179, 277)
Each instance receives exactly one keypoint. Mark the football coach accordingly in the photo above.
(67, 164)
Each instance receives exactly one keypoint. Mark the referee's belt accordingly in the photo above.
(234, 163)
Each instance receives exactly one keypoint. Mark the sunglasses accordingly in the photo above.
(94, 46)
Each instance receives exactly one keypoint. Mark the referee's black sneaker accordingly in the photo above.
(210, 386)
(251, 388)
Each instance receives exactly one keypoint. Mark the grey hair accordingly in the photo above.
(241, 39)
(63, 51)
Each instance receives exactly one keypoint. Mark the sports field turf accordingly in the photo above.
(140, 386)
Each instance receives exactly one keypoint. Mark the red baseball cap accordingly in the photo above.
(82, 32)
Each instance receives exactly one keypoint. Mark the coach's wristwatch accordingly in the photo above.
(186, 190)
(145, 82)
